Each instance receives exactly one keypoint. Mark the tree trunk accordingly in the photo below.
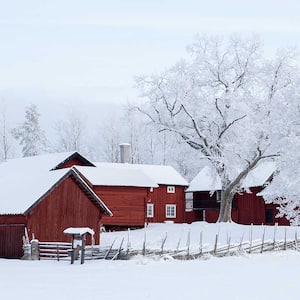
(226, 206)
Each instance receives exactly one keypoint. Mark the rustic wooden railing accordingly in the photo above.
(54, 250)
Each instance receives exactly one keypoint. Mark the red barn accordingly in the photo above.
(138, 193)
(203, 198)
(44, 196)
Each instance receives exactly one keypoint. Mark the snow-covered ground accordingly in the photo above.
(272, 275)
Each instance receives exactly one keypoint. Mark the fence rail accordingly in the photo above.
(54, 250)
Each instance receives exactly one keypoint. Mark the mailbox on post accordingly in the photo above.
(78, 241)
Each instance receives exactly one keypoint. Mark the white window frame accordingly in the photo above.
(150, 210)
(171, 211)
(218, 196)
(189, 205)
(170, 189)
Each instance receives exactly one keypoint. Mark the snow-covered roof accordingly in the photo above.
(160, 174)
(39, 163)
(79, 230)
(260, 175)
(110, 176)
(208, 180)
(24, 181)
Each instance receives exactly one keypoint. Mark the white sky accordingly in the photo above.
(90, 50)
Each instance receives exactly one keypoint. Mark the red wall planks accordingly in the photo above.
(66, 206)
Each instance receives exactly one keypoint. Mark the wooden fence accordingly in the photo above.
(60, 251)
(54, 250)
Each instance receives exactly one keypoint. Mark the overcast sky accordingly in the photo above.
(90, 50)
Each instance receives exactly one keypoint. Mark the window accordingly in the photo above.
(269, 216)
(170, 211)
(150, 210)
(188, 202)
(218, 196)
(171, 189)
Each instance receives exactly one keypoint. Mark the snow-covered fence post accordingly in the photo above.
(163, 243)
(263, 239)
(178, 244)
(216, 244)
(144, 243)
(201, 243)
(241, 242)
(35, 249)
(274, 237)
(228, 242)
(128, 243)
(285, 230)
(251, 235)
(188, 244)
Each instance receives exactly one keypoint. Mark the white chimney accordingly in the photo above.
(125, 153)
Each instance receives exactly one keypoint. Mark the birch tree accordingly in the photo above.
(226, 102)
(6, 141)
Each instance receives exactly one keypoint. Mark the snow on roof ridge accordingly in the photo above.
(160, 174)
(206, 181)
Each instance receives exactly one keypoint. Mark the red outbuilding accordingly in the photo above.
(45, 196)
(203, 198)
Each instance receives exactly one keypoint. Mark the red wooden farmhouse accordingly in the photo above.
(203, 198)
(45, 196)
(137, 193)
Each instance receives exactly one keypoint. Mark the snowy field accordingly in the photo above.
(272, 275)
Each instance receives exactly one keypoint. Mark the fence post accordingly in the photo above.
(263, 240)
(177, 247)
(144, 243)
(216, 244)
(128, 244)
(163, 243)
(285, 230)
(35, 250)
(274, 238)
(201, 243)
(251, 235)
(188, 244)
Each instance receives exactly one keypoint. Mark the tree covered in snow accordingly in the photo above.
(284, 188)
(226, 101)
(71, 132)
(29, 133)
(6, 138)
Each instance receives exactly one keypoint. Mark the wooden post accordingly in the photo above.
(57, 252)
(163, 243)
(82, 249)
(128, 244)
(216, 244)
(144, 243)
(274, 238)
(241, 242)
(177, 247)
(251, 235)
(285, 230)
(263, 240)
(188, 244)
(201, 243)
